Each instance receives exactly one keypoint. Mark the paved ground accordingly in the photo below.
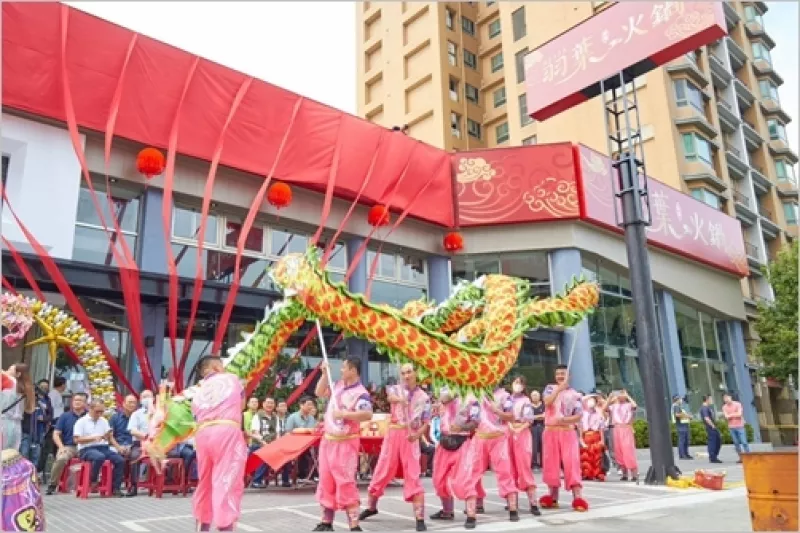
(615, 506)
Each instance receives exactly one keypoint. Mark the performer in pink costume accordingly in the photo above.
(349, 404)
(622, 408)
(560, 441)
(489, 446)
(457, 420)
(409, 420)
(521, 443)
(221, 451)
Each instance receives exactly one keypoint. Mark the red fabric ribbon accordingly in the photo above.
(222, 326)
(207, 193)
(166, 220)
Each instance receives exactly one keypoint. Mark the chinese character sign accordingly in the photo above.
(680, 223)
(568, 69)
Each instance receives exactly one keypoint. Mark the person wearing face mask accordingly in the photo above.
(521, 442)
(622, 409)
(592, 441)
(138, 427)
(457, 420)
(489, 447)
(681, 418)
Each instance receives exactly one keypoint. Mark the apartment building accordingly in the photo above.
(712, 121)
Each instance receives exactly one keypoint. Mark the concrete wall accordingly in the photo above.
(42, 185)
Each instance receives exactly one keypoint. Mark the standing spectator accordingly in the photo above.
(303, 419)
(94, 436)
(63, 438)
(734, 414)
(622, 408)
(35, 424)
(15, 402)
(247, 417)
(707, 415)
(263, 430)
(537, 428)
(55, 395)
(280, 431)
(139, 427)
(681, 417)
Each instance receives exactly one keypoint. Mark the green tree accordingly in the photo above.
(777, 322)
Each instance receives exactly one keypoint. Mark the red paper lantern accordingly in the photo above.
(378, 216)
(150, 162)
(279, 195)
(453, 242)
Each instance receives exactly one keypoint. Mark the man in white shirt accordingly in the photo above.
(92, 434)
(139, 427)
(56, 397)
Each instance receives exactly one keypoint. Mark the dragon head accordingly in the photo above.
(294, 273)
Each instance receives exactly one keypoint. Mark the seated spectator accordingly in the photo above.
(139, 427)
(185, 450)
(303, 419)
(93, 435)
(121, 438)
(63, 438)
(263, 430)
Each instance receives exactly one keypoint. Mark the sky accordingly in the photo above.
(310, 47)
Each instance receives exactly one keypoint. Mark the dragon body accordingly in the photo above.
(468, 342)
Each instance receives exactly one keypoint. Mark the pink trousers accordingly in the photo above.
(625, 448)
(221, 458)
(522, 452)
(397, 450)
(445, 465)
(560, 447)
(476, 460)
(338, 463)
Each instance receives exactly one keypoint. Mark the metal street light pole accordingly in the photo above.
(629, 182)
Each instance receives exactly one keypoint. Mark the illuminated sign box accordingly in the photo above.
(635, 37)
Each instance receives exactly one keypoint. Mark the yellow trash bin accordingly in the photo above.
(771, 480)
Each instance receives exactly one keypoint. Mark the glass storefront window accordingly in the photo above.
(393, 294)
(533, 266)
(710, 337)
(537, 361)
(470, 269)
(284, 243)
(697, 384)
(92, 243)
(689, 336)
(186, 225)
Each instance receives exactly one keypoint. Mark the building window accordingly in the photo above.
(531, 266)
(501, 133)
(790, 213)
(497, 62)
(398, 279)
(449, 17)
(468, 26)
(518, 23)
(697, 148)
(473, 128)
(519, 63)
(761, 52)
(768, 90)
(6, 161)
(529, 141)
(452, 53)
(490, 3)
(92, 243)
(751, 14)
(687, 94)
(454, 89)
(470, 60)
(524, 118)
(262, 248)
(707, 197)
(471, 93)
(785, 172)
(455, 124)
(777, 131)
(494, 28)
(499, 97)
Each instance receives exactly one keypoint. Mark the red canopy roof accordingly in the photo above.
(101, 57)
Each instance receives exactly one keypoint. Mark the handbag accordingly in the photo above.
(452, 443)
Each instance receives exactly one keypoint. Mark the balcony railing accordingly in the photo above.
(741, 198)
(751, 249)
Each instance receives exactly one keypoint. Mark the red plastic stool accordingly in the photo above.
(63, 483)
(104, 487)
(156, 482)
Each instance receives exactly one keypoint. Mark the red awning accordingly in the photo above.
(95, 51)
